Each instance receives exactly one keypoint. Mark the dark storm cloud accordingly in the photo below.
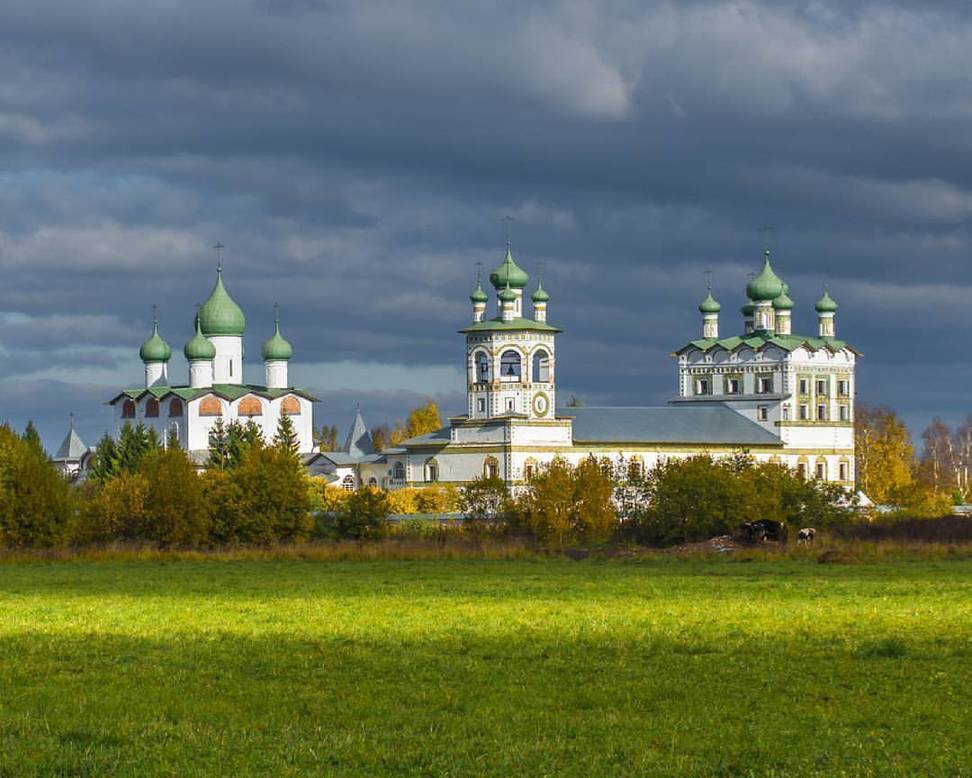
(357, 160)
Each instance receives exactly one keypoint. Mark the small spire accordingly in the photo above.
(155, 315)
(219, 256)
(71, 420)
(276, 314)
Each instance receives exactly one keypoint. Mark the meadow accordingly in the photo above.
(662, 666)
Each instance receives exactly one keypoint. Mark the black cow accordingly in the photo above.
(806, 535)
(762, 530)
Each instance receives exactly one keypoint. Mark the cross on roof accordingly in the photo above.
(219, 255)
(509, 227)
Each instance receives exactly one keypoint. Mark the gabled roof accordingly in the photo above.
(498, 325)
(358, 442)
(72, 448)
(760, 340)
(226, 391)
(689, 424)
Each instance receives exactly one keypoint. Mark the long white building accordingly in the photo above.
(780, 396)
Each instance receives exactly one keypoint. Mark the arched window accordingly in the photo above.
(482, 367)
(250, 406)
(173, 432)
(210, 406)
(491, 467)
(431, 470)
(541, 366)
(290, 406)
(529, 469)
(347, 483)
(511, 367)
(128, 409)
(152, 408)
(398, 471)
(175, 407)
(373, 482)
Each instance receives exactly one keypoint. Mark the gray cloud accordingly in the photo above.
(357, 160)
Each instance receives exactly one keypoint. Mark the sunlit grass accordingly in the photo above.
(535, 666)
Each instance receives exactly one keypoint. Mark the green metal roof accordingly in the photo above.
(767, 285)
(510, 272)
(761, 339)
(506, 294)
(478, 295)
(783, 302)
(540, 296)
(491, 325)
(220, 315)
(226, 391)
(198, 348)
(709, 304)
(275, 347)
(826, 304)
(155, 349)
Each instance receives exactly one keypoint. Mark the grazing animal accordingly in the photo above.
(762, 530)
(806, 535)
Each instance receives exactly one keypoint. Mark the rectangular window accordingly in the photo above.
(702, 386)
(821, 470)
(821, 413)
(822, 388)
(843, 471)
(510, 404)
(786, 413)
(481, 405)
(762, 412)
(804, 386)
(764, 384)
(844, 413)
(843, 387)
(802, 470)
(733, 386)
(804, 413)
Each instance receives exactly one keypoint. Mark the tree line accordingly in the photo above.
(420, 421)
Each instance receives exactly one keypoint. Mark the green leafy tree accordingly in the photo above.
(884, 452)
(327, 438)
(564, 504)
(363, 516)
(176, 513)
(106, 462)
(486, 499)
(274, 495)
(115, 510)
(286, 438)
(32, 437)
(37, 505)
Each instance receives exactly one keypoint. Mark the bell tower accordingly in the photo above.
(510, 359)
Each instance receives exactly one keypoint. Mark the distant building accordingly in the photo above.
(215, 390)
(780, 396)
(73, 457)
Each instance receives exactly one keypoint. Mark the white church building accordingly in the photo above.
(780, 396)
(215, 388)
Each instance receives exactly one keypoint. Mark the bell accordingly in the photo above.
(510, 370)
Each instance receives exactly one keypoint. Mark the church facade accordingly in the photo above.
(214, 388)
(780, 396)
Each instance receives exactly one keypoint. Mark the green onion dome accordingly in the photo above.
(198, 347)
(748, 309)
(155, 349)
(826, 304)
(540, 296)
(479, 296)
(509, 272)
(767, 285)
(220, 315)
(783, 302)
(276, 347)
(506, 294)
(709, 304)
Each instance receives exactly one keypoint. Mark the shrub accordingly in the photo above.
(363, 516)
(114, 510)
(564, 504)
(273, 497)
(176, 513)
(37, 506)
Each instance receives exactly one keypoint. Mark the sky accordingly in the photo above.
(358, 159)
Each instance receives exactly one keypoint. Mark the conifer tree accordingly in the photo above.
(32, 438)
(286, 438)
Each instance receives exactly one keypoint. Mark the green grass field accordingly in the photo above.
(549, 667)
